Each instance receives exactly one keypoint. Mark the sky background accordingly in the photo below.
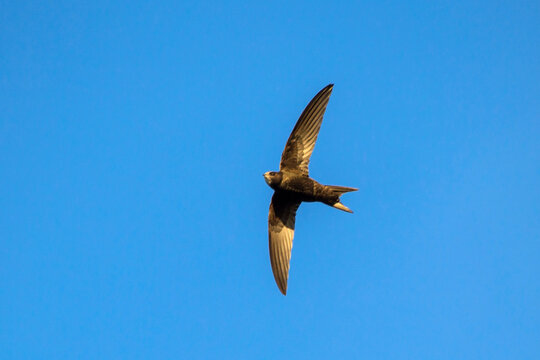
(133, 212)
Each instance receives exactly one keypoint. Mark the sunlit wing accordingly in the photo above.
(281, 218)
(302, 140)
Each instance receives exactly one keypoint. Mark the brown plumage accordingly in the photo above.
(293, 185)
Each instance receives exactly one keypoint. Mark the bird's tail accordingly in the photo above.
(340, 190)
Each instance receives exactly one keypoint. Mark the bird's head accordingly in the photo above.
(273, 178)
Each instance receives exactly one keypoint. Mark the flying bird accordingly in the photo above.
(292, 186)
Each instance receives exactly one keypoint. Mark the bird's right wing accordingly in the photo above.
(302, 140)
(280, 236)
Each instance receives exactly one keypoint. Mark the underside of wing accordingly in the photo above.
(281, 218)
(302, 140)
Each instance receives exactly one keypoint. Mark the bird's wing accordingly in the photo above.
(280, 236)
(301, 142)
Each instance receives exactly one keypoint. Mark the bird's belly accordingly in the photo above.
(300, 195)
(306, 189)
(310, 199)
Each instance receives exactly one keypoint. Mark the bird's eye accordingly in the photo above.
(272, 173)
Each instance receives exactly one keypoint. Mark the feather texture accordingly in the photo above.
(302, 140)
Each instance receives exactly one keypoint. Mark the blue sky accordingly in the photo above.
(134, 135)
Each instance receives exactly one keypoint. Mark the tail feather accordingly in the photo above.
(340, 206)
(341, 189)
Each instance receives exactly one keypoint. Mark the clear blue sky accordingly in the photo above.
(133, 212)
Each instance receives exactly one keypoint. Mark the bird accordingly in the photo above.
(292, 186)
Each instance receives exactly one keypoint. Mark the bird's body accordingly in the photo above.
(292, 186)
(303, 188)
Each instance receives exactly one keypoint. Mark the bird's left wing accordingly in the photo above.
(280, 236)
(302, 140)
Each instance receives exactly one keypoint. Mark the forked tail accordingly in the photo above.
(340, 190)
